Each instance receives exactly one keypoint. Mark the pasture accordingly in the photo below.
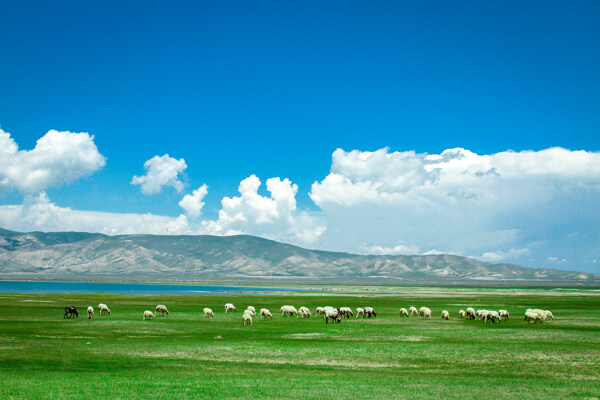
(187, 356)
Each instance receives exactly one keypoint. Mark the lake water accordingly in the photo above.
(130, 288)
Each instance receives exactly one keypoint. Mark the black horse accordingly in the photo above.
(70, 311)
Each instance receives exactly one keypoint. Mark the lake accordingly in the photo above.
(131, 288)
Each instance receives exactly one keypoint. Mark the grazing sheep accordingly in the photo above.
(251, 308)
(504, 314)
(90, 311)
(265, 313)
(544, 314)
(404, 312)
(413, 311)
(490, 316)
(360, 312)
(532, 316)
(148, 315)
(103, 307)
(208, 312)
(369, 312)
(288, 311)
(479, 314)
(346, 312)
(304, 312)
(332, 314)
(162, 309)
(247, 319)
(462, 314)
(320, 311)
(250, 311)
(425, 312)
(445, 314)
(70, 311)
(470, 313)
(229, 307)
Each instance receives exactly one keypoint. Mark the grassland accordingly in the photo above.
(186, 356)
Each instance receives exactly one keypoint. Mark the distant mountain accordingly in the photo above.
(234, 258)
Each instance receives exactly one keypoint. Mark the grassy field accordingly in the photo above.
(185, 355)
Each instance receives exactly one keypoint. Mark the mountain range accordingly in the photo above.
(77, 255)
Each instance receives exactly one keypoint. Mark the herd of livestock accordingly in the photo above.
(336, 314)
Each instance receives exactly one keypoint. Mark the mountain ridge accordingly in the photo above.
(243, 257)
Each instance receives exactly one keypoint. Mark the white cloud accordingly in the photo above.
(556, 259)
(58, 158)
(161, 172)
(39, 214)
(459, 202)
(499, 255)
(275, 217)
(397, 249)
(192, 203)
(434, 252)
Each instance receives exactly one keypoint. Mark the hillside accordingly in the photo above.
(150, 257)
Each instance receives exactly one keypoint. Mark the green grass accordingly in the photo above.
(186, 356)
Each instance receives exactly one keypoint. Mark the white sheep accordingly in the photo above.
(504, 314)
(413, 311)
(247, 319)
(445, 314)
(288, 311)
(462, 314)
(370, 312)
(304, 312)
(346, 312)
(404, 312)
(250, 311)
(470, 313)
(320, 311)
(229, 307)
(265, 313)
(148, 314)
(208, 312)
(162, 309)
(425, 312)
(360, 312)
(90, 311)
(532, 316)
(490, 316)
(332, 314)
(544, 314)
(103, 307)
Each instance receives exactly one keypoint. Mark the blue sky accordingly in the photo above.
(274, 88)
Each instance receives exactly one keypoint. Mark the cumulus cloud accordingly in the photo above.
(161, 172)
(38, 213)
(58, 158)
(274, 216)
(458, 201)
(192, 203)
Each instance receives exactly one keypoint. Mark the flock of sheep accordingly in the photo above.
(71, 311)
(336, 314)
